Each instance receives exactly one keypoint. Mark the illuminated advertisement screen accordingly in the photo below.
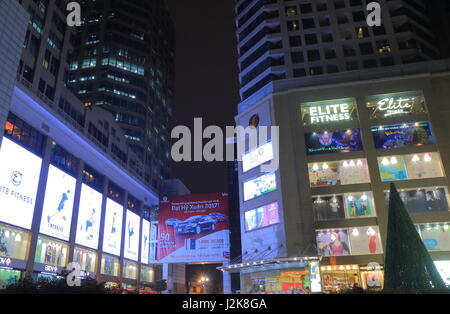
(332, 111)
(89, 213)
(338, 173)
(402, 135)
(112, 235)
(262, 217)
(333, 242)
(132, 234)
(333, 141)
(19, 180)
(257, 157)
(145, 242)
(435, 236)
(423, 200)
(262, 185)
(193, 228)
(394, 105)
(58, 204)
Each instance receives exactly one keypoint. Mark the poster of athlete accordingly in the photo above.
(193, 228)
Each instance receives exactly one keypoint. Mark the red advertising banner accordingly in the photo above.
(193, 228)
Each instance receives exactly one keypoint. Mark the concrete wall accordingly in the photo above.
(14, 21)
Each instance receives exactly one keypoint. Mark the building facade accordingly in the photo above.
(124, 63)
(79, 195)
(341, 144)
(287, 39)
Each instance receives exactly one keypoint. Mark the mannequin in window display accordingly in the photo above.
(372, 240)
(3, 243)
(334, 207)
(48, 255)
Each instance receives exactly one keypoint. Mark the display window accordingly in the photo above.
(338, 173)
(350, 205)
(14, 243)
(409, 167)
(336, 279)
(147, 274)
(333, 141)
(332, 111)
(365, 241)
(262, 185)
(9, 277)
(435, 236)
(443, 268)
(51, 252)
(372, 278)
(402, 135)
(262, 217)
(397, 104)
(423, 200)
(86, 258)
(110, 265)
(333, 242)
(130, 270)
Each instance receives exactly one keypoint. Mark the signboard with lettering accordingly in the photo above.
(326, 112)
(394, 105)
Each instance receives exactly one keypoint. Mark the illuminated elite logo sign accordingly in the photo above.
(406, 103)
(392, 106)
(328, 112)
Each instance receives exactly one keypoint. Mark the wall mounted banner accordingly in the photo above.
(333, 141)
(58, 204)
(261, 217)
(132, 235)
(193, 228)
(402, 135)
(394, 105)
(112, 235)
(333, 111)
(145, 241)
(262, 185)
(19, 180)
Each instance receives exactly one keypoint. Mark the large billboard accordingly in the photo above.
(89, 214)
(132, 234)
(262, 185)
(112, 235)
(58, 204)
(193, 228)
(19, 180)
(145, 247)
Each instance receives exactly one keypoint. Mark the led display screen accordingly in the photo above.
(88, 229)
(333, 141)
(58, 204)
(257, 157)
(262, 217)
(394, 105)
(145, 241)
(423, 200)
(402, 135)
(112, 235)
(262, 185)
(19, 180)
(328, 111)
(132, 234)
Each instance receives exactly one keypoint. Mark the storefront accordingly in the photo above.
(110, 271)
(51, 257)
(279, 276)
(87, 260)
(339, 278)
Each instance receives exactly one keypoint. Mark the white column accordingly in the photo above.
(226, 280)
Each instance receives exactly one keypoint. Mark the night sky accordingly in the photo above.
(206, 80)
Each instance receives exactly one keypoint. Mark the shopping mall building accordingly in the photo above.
(342, 140)
(70, 189)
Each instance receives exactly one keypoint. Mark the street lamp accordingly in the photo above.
(203, 281)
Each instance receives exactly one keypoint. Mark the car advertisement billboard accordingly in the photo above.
(19, 180)
(112, 235)
(58, 204)
(337, 141)
(193, 228)
(89, 214)
(132, 234)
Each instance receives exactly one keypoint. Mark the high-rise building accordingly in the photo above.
(124, 63)
(77, 191)
(318, 222)
(287, 39)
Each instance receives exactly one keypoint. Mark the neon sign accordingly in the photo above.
(384, 106)
(328, 112)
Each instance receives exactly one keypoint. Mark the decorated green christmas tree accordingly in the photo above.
(408, 265)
